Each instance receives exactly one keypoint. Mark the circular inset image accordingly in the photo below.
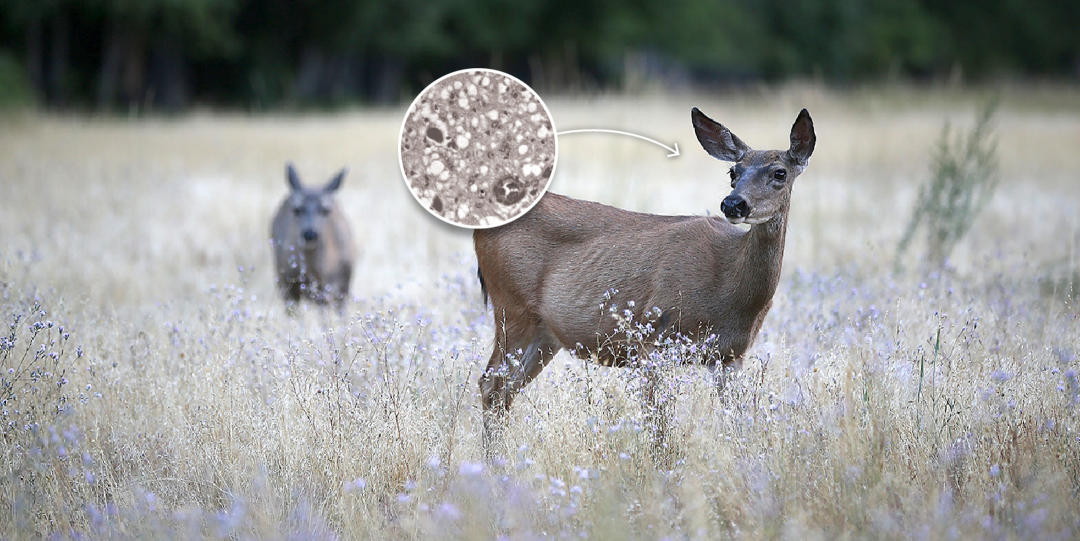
(478, 148)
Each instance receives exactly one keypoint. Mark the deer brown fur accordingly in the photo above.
(312, 242)
(552, 274)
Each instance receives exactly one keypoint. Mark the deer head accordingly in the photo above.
(761, 180)
(311, 206)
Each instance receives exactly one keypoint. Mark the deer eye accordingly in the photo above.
(731, 173)
(779, 174)
(297, 210)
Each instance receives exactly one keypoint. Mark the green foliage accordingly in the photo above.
(260, 51)
(965, 174)
(205, 26)
(15, 91)
(718, 33)
(1003, 36)
(897, 35)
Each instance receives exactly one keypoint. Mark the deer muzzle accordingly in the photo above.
(735, 207)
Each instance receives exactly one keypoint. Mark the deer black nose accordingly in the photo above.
(310, 235)
(734, 206)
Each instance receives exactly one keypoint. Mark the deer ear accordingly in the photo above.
(717, 140)
(802, 138)
(294, 179)
(335, 182)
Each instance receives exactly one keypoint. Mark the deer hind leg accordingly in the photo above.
(508, 339)
(534, 358)
(515, 361)
(521, 351)
(512, 332)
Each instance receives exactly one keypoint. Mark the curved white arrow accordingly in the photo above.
(674, 151)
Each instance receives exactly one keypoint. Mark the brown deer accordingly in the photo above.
(312, 242)
(552, 274)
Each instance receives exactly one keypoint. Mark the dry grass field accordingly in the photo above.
(154, 387)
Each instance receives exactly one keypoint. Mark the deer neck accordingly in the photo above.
(309, 254)
(762, 259)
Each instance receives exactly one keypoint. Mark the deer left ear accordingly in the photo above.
(335, 182)
(292, 177)
(802, 138)
(716, 139)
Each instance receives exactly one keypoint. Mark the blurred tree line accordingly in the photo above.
(260, 54)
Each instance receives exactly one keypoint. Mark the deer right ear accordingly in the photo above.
(294, 179)
(802, 138)
(717, 140)
(335, 182)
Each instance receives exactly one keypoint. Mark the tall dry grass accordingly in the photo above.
(154, 387)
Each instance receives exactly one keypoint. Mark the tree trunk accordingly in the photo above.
(391, 73)
(170, 75)
(537, 76)
(109, 77)
(133, 72)
(59, 57)
(35, 59)
(343, 78)
(310, 75)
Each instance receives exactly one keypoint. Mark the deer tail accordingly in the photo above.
(483, 286)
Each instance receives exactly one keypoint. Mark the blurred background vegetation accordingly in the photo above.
(272, 54)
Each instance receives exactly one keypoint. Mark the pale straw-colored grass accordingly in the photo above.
(873, 404)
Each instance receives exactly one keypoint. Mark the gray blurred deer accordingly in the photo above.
(312, 242)
(552, 273)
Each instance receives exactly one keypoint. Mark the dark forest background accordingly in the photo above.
(271, 54)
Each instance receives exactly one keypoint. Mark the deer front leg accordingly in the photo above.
(290, 291)
(341, 293)
(534, 358)
(722, 369)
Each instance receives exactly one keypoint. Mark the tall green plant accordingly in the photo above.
(964, 176)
